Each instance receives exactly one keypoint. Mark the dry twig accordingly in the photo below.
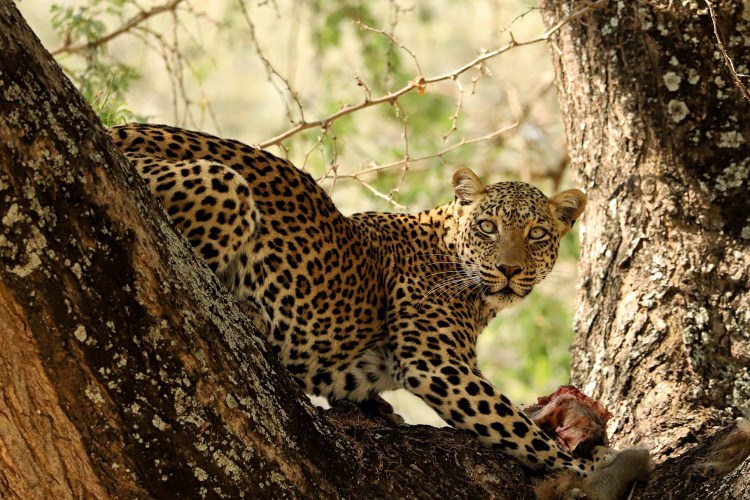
(133, 22)
(439, 154)
(727, 59)
(271, 71)
(420, 82)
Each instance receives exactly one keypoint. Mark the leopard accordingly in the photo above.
(361, 304)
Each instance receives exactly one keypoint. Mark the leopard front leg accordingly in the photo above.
(450, 383)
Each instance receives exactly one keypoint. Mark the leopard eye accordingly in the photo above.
(487, 226)
(537, 233)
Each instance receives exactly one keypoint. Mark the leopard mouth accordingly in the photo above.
(505, 292)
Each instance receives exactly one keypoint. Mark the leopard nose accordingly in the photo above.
(509, 270)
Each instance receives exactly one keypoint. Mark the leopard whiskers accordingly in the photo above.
(449, 273)
(453, 282)
(456, 288)
(448, 259)
(557, 278)
(440, 264)
(442, 286)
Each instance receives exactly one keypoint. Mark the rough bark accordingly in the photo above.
(658, 136)
(127, 371)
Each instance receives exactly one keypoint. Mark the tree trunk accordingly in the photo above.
(126, 370)
(658, 136)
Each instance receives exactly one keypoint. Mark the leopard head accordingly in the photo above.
(508, 234)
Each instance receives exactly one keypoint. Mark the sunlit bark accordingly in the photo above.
(658, 137)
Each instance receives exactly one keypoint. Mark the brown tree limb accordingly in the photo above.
(127, 371)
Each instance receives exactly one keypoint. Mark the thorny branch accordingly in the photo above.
(439, 154)
(175, 65)
(270, 70)
(520, 118)
(420, 82)
(727, 59)
(393, 40)
(133, 22)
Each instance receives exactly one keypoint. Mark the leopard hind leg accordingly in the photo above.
(212, 206)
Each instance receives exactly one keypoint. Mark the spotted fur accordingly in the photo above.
(376, 301)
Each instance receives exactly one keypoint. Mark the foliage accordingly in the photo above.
(105, 86)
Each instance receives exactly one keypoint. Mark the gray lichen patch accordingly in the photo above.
(157, 422)
(229, 466)
(672, 81)
(13, 216)
(678, 110)
(693, 76)
(187, 410)
(230, 401)
(35, 244)
(733, 176)
(80, 333)
(92, 392)
(200, 474)
(32, 264)
(731, 139)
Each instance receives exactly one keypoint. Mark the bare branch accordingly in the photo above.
(727, 59)
(133, 22)
(519, 17)
(377, 193)
(407, 154)
(521, 116)
(271, 71)
(419, 83)
(457, 112)
(463, 142)
(393, 40)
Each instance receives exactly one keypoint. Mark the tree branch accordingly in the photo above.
(129, 25)
(420, 82)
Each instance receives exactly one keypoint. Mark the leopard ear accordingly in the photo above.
(567, 206)
(467, 186)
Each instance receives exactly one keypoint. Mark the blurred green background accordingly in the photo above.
(251, 70)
